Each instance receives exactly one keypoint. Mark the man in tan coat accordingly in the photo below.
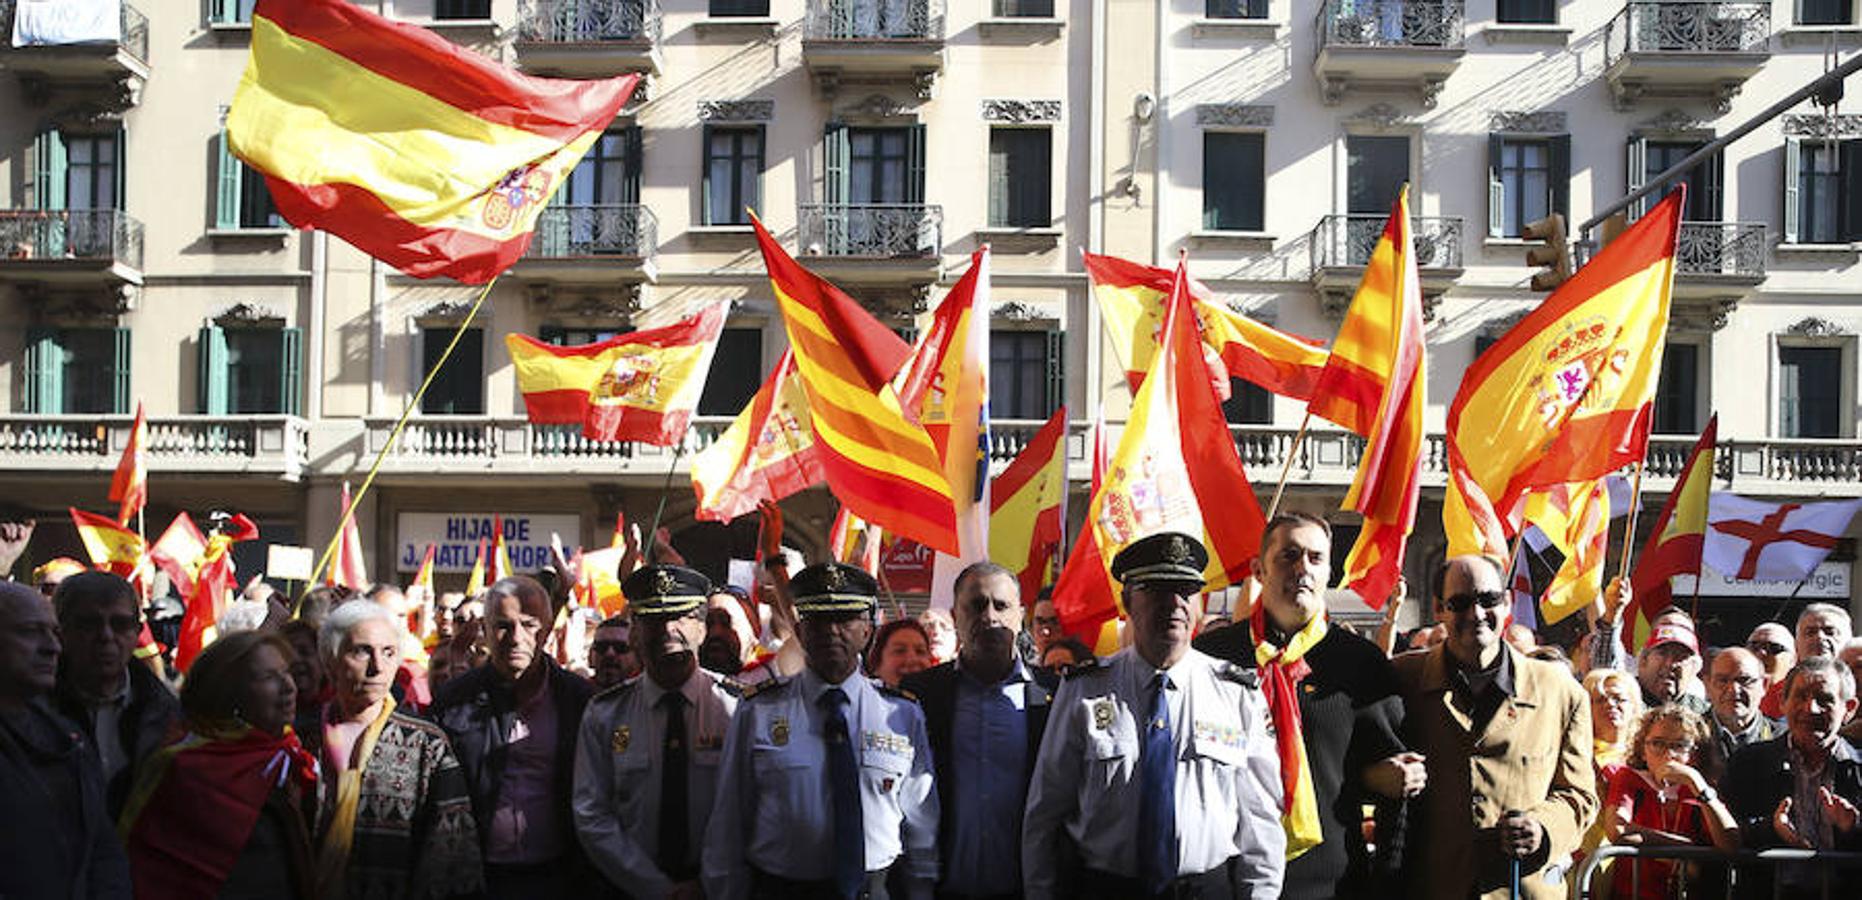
(1505, 736)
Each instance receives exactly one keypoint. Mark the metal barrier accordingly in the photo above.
(1825, 861)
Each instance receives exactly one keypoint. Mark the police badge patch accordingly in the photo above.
(621, 738)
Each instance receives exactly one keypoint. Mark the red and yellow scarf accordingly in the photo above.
(1282, 669)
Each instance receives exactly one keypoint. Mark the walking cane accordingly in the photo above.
(1515, 892)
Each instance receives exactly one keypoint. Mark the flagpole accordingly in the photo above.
(671, 470)
(1629, 535)
(1286, 468)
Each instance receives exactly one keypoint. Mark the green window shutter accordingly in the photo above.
(1558, 174)
(1496, 187)
(1793, 160)
(121, 168)
(213, 364)
(1034, 180)
(756, 202)
(1000, 146)
(1849, 190)
(1716, 181)
(226, 198)
(290, 370)
(1056, 370)
(915, 164)
(1636, 168)
(45, 371)
(630, 173)
(49, 184)
(706, 188)
(836, 182)
(119, 374)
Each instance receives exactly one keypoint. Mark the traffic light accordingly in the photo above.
(1555, 256)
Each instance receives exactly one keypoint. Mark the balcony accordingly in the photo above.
(269, 446)
(880, 42)
(1342, 245)
(588, 38)
(1403, 45)
(454, 445)
(592, 244)
(1685, 50)
(871, 242)
(1721, 252)
(110, 73)
(71, 247)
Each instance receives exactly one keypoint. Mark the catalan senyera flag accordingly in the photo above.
(418, 151)
(878, 463)
(208, 599)
(179, 552)
(1567, 394)
(1676, 543)
(641, 386)
(347, 568)
(767, 453)
(1132, 298)
(110, 546)
(1372, 383)
(129, 487)
(475, 579)
(1576, 517)
(1028, 508)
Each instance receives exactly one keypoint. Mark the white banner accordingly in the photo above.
(456, 537)
(1828, 581)
(39, 23)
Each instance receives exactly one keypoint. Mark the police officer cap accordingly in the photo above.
(1169, 556)
(830, 588)
(665, 590)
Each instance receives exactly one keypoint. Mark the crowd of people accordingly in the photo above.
(788, 743)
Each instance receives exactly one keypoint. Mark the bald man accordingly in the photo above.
(1735, 682)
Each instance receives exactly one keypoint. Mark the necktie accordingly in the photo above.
(1157, 789)
(844, 779)
(675, 835)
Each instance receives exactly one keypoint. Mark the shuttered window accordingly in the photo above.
(1677, 392)
(1528, 178)
(1235, 9)
(1025, 374)
(77, 371)
(1527, 12)
(1810, 391)
(1020, 178)
(241, 198)
(250, 370)
(1234, 181)
(459, 386)
(733, 173)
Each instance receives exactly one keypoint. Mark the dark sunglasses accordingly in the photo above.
(1766, 647)
(608, 647)
(1484, 599)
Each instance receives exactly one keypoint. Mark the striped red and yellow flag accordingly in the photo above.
(878, 463)
(1027, 507)
(641, 386)
(1677, 541)
(1576, 517)
(419, 152)
(767, 453)
(129, 487)
(110, 546)
(1373, 384)
(179, 552)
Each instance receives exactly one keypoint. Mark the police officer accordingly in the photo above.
(826, 786)
(1158, 766)
(646, 769)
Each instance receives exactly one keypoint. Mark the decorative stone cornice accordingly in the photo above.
(1701, 315)
(736, 110)
(445, 311)
(1384, 115)
(1542, 121)
(1017, 311)
(1021, 112)
(1234, 115)
(1799, 125)
(247, 315)
(874, 106)
(1672, 121)
(1495, 327)
(1816, 326)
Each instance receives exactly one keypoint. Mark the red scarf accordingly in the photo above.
(1282, 669)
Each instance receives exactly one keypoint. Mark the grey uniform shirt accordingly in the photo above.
(1086, 779)
(618, 774)
(775, 808)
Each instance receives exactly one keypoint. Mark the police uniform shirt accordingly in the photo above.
(618, 774)
(1087, 776)
(775, 802)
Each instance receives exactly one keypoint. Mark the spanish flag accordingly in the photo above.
(475, 580)
(878, 463)
(199, 621)
(767, 453)
(129, 487)
(1677, 542)
(1028, 508)
(1132, 298)
(601, 579)
(500, 562)
(1576, 516)
(179, 552)
(110, 546)
(421, 153)
(1373, 383)
(641, 386)
(1568, 394)
(423, 576)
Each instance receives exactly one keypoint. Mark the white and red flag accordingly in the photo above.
(1755, 540)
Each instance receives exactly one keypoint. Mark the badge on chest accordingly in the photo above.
(621, 738)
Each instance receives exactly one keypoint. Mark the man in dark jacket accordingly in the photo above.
(985, 711)
(123, 709)
(513, 724)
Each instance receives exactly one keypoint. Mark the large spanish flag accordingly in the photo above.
(1677, 541)
(641, 386)
(878, 463)
(1373, 384)
(1027, 508)
(767, 453)
(1132, 298)
(110, 546)
(1568, 394)
(419, 152)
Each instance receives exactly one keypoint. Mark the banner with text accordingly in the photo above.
(1828, 581)
(456, 537)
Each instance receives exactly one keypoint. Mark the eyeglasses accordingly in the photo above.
(1668, 746)
(1484, 599)
(608, 647)
(1744, 681)
(1765, 648)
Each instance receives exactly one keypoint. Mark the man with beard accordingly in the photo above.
(1666, 665)
(612, 653)
(646, 770)
(986, 711)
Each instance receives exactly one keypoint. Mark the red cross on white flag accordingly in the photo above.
(1754, 540)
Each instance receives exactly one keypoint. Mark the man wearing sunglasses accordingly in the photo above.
(612, 654)
(1506, 736)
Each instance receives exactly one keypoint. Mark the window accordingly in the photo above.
(1025, 372)
(1248, 404)
(459, 388)
(1528, 12)
(570, 337)
(874, 190)
(1235, 9)
(227, 12)
(1528, 178)
(597, 210)
(1023, 9)
(753, 8)
(1019, 178)
(1234, 180)
(78, 170)
(1825, 12)
(1649, 158)
(1822, 191)
(733, 173)
(462, 9)
(77, 370)
(736, 373)
(242, 200)
(250, 370)
(1677, 391)
(1810, 394)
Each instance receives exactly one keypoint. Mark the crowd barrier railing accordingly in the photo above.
(1739, 869)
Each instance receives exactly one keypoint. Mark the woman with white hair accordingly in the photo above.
(394, 817)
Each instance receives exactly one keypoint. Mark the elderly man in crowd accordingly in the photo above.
(1735, 682)
(1821, 630)
(1159, 764)
(1773, 644)
(122, 708)
(612, 652)
(513, 725)
(825, 788)
(1507, 737)
(646, 770)
(1667, 663)
(986, 711)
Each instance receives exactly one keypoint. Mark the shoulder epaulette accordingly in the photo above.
(766, 687)
(890, 691)
(733, 687)
(1091, 667)
(614, 689)
(1247, 676)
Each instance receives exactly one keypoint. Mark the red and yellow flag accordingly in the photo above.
(347, 568)
(500, 563)
(423, 576)
(475, 579)
(1132, 298)
(110, 546)
(1568, 393)
(601, 580)
(129, 487)
(1028, 507)
(1373, 384)
(1576, 517)
(418, 151)
(208, 599)
(878, 463)
(1677, 541)
(641, 386)
(767, 453)
(179, 552)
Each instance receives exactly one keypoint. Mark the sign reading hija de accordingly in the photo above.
(456, 538)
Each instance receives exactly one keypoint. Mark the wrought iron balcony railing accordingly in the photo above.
(1649, 27)
(588, 21)
(604, 229)
(868, 20)
(1391, 23)
(1732, 249)
(275, 444)
(883, 230)
(135, 30)
(1347, 240)
(57, 234)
